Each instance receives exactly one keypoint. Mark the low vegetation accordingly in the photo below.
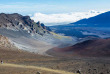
(86, 65)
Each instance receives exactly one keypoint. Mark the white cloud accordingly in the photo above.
(63, 18)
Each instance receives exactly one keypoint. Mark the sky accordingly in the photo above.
(52, 6)
(49, 7)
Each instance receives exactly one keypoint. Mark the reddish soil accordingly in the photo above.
(91, 48)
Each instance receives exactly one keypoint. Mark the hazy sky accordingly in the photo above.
(52, 6)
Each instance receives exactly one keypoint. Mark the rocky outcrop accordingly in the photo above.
(4, 42)
(18, 22)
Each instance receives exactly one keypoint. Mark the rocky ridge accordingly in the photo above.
(18, 22)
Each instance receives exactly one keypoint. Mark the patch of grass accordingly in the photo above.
(59, 36)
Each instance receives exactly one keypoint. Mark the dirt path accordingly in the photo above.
(35, 67)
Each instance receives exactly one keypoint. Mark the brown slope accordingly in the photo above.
(93, 48)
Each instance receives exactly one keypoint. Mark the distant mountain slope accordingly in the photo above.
(70, 30)
(101, 20)
(90, 48)
(95, 27)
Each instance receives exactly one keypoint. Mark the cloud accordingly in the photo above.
(63, 18)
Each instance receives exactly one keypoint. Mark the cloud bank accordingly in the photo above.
(50, 19)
